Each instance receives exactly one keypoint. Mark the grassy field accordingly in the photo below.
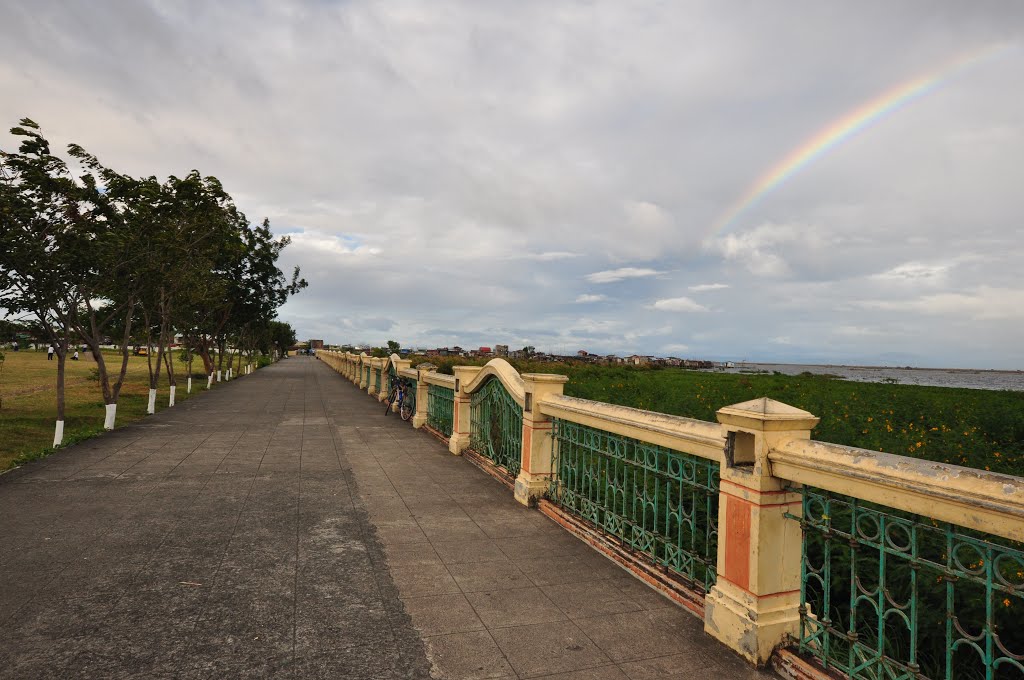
(982, 429)
(28, 392)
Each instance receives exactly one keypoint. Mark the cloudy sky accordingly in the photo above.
(567, 174)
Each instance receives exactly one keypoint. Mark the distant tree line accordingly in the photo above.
(94, 256)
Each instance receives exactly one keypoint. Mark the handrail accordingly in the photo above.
(696, 437)
(976, 499)
(503, 371)
(440, 379)
(409, 373)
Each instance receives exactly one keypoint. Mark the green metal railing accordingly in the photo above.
(376, 379)
(891, 595)
(440, 404)
(496, 426)
(367, 368)
(657, 501)
(410, 392)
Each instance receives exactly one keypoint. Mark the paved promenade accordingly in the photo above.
(281, 526)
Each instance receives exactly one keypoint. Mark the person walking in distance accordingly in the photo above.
(49, 352)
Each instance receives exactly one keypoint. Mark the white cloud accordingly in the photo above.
(613, 275)
(550, 256)
(700, 288)
(915, 271)
(585, 298)
(679, 304)
(983, 303)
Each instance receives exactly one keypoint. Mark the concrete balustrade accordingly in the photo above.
(765, 456)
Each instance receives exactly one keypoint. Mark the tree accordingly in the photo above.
(393, 347)
(39, 243)
(282, 336)
(111, 239)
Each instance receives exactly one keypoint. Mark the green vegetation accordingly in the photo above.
(27, 393)
(982, 429)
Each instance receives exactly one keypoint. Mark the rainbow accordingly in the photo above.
(844, 128)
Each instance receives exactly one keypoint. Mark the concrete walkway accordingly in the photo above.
(281, 526)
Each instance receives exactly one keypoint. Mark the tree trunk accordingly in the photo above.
(62, 357)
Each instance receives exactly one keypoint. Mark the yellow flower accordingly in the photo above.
(1006, 602)
(870, 419)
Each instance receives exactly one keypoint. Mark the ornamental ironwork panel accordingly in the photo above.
(440, 404)
(410, 392)
(367, 375)
(376, 379)
(656, 501)
(891, 595)
(496, 426)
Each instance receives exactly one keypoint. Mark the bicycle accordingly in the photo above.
(398, 392)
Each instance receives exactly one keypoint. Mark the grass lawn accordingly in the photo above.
(28, 390)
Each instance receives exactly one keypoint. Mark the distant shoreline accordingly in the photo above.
(876, 368)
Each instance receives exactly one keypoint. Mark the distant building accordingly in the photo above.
(501, 350)
(316, 344)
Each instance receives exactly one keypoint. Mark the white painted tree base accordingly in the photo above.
(188, 387)
(218, 375)
(170, 402)
(58, 434)
(209, 381)
(108, 419)
(151, 407)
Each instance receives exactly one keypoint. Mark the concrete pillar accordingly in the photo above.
(754, 604)
(535, 472)
(419, 419)
(371, 387)
(461, 424)
(400, 365)
(362, 374)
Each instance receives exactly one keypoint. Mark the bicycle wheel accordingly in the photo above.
(405, 410)
(391, 400)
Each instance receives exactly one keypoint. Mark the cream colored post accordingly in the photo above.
(419, 419)
(385, 379)
(400, 365)
(535, 471)
(371, 382)
(753, 606)
(459, 441)
(362, 373)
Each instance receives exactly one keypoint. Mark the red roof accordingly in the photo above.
(485, 349)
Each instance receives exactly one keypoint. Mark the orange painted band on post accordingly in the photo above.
(761, 505)
(760, 493)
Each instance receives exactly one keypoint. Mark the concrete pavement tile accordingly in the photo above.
(406, 554)
(542, 649)
(480, 576)
(503, 608)
(641, 593)
(600, 673)
(323, 628)
(467, 656)
(452, 530)
(645, 634)
(690, 665)
(442, 614)
(461, 552)
(423, 579)
(589, 598)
